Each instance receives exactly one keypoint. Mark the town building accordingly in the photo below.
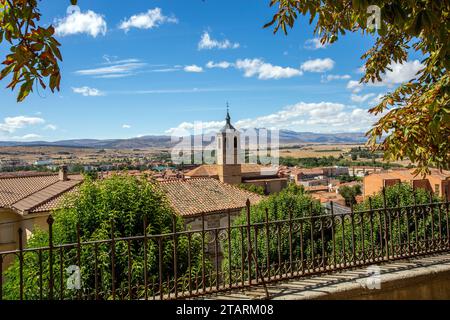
(229, 169)
(26, 200)
(362, 171)
(317, 176)
(437, 182)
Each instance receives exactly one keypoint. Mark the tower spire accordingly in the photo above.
(228, 118)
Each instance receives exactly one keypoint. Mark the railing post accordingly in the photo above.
(386, 240)
(290, 244)
(249, 243)
(20, 232)
(432, 221)
(145, 260)
(113, 262)
(415, 224)
(175, 256)
(203, 254)
(354, 260)
(267, 242)
(160, 267)
(78, 255)
(333, 236)
(372, 241)
(50, 221)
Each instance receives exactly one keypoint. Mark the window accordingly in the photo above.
(235, 142)
(219, 142)
(436, 189)
(7, 233)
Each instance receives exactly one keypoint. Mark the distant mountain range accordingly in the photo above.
(286, 137)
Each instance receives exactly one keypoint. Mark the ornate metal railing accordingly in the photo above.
(197, 262)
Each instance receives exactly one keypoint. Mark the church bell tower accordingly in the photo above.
(228, 153)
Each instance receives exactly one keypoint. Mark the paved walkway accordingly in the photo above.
(360, 283)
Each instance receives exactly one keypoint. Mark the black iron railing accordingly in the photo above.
(197, 262)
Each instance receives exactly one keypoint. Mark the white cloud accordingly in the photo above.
(88, 92)
(206, 42)
(126, 126)
(314, 44)
(355, 86)
(12, 124)
(186, 128)
(332, 77)
(302, 116)
(30, 136)
(221, 64)
(153, 18)
(361, 98)
(87, 22)
(116, 69)
(50, 127)
(193, 68)
(400, 73)
(318, 65)
(264, 71)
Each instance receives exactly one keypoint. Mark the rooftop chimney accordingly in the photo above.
(63, 173)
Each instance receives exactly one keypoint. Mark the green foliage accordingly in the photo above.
(332, 161)
(291, 203)
(369, 229)
(349, 193)
(348, 178)
(34, 52)
(252, 188)
(415, 121)
(316, 237)
(122, 201)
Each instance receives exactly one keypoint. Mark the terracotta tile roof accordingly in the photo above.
(316, 188)
(53, 203)
(27, 193)
(15, 189)
(206, 170)
(247, 170)
(205, 195)
(17, 174)
(45, 195)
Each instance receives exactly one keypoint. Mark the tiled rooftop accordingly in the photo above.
(247, 169)
(29, 192)
(205, 195)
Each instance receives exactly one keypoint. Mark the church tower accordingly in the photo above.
(228, 153)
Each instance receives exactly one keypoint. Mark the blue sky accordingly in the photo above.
(149, 67)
